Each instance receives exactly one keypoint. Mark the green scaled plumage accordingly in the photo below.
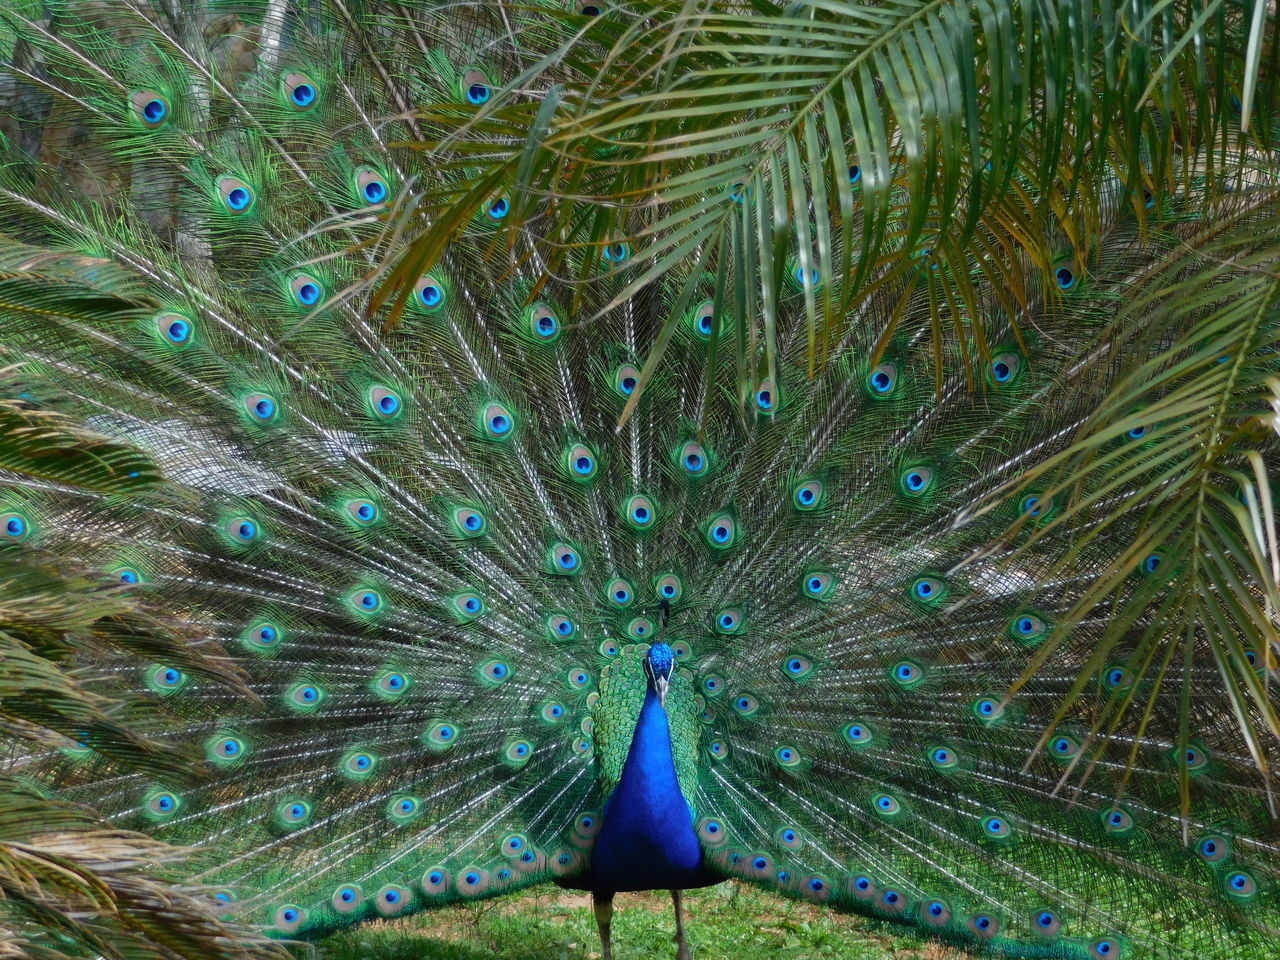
(439, 561)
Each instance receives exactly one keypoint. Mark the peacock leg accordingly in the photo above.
(603, 904)
(682, 948)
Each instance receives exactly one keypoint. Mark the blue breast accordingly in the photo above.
(647, 841)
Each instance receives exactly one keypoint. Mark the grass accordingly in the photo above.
(727, 922)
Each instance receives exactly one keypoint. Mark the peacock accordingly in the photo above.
(505, 604)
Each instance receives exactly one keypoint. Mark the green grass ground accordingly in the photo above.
(727, 922)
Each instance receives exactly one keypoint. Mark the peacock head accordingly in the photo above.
(657, 667)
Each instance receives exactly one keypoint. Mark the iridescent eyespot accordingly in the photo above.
(303, 697)
(640, 512)
(988, 708)
(391, 684)
(703, 318)
(1005, 367)
(721, 531)
(306, 290)
(797, 667)
(495, 671)
(435, 881)
(640, 628)
(347, 898)
(928, 590)
(1118, 678)
(787, 756)
(1136, 433)
(619, 593)
(365, 601)
(384, 403)
(893, 901)
(803, 276)
(1063, 747)
(906, 673)
(745, 704)
(552, 711)
(625, 380)
(1117, 820)
(289, 918)
(789, 837)
(544, 322)
(681, 649)
(767, 396)
(475, 87)
(1027, 627)
(692, 459)
(498, 209)
(983, 925)
(609, 648)
(560, 627)
(1046, 923)
(883, 379)
(916, 481)
(429, 292)
(225, 749)
(496, 421)
(263, 637)
(363, 512)
(1105, 948)
(440, 735)
(807, 495)
(564, 559)
(578, 678)
(150, 108)
(391, 900)
(236, 195)
(579, 462)
(728, 621)
(1066, 275)
(243, 530)
(712, 832)
(858, 733)
(713, 685)
(818, 584)
(161, 805)
(1213, 848)
(944, 758)
(1193, 758)
(261, 407)
(517, 753)
(299, 91)
(886, 804)
(16, 526)
(718, 749)
(1240, 884)
(936, 913)
(165, 680)
(1036, 506)
(371, 186)
(359, 764)
(668, 587)
(996, 827)
(616, 252)
(292, 813)
(862, 887)
(470, 522)
(174, 329)
(127, 575)
(1152, 563)
(855, 174)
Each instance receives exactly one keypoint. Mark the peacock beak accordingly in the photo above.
(660, 684)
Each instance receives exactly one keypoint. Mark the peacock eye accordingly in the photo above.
(883, 380)
(236, 195)
(692, 459)
(767, 396)
(1005, 368)
(579, 462)
(625, 380)
(497, 421)
(916, 481)
(818, 584)
(544, 322)
(928, 590)
(728, 621)
(721, 531)
(618, 592)
(807, 495)
(616, 252)
(1066, 275)
(996, 827)
(907, 673)
(704, 319)
(307, 291)
(429, 293)
(565, 559)
(475, 86)
(1117, 820)
(174, 329)
(858, 732)
(261, 407)
(150, 108)
(300, 91)
(371, 186)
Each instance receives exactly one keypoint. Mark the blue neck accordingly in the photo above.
(647, 841)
